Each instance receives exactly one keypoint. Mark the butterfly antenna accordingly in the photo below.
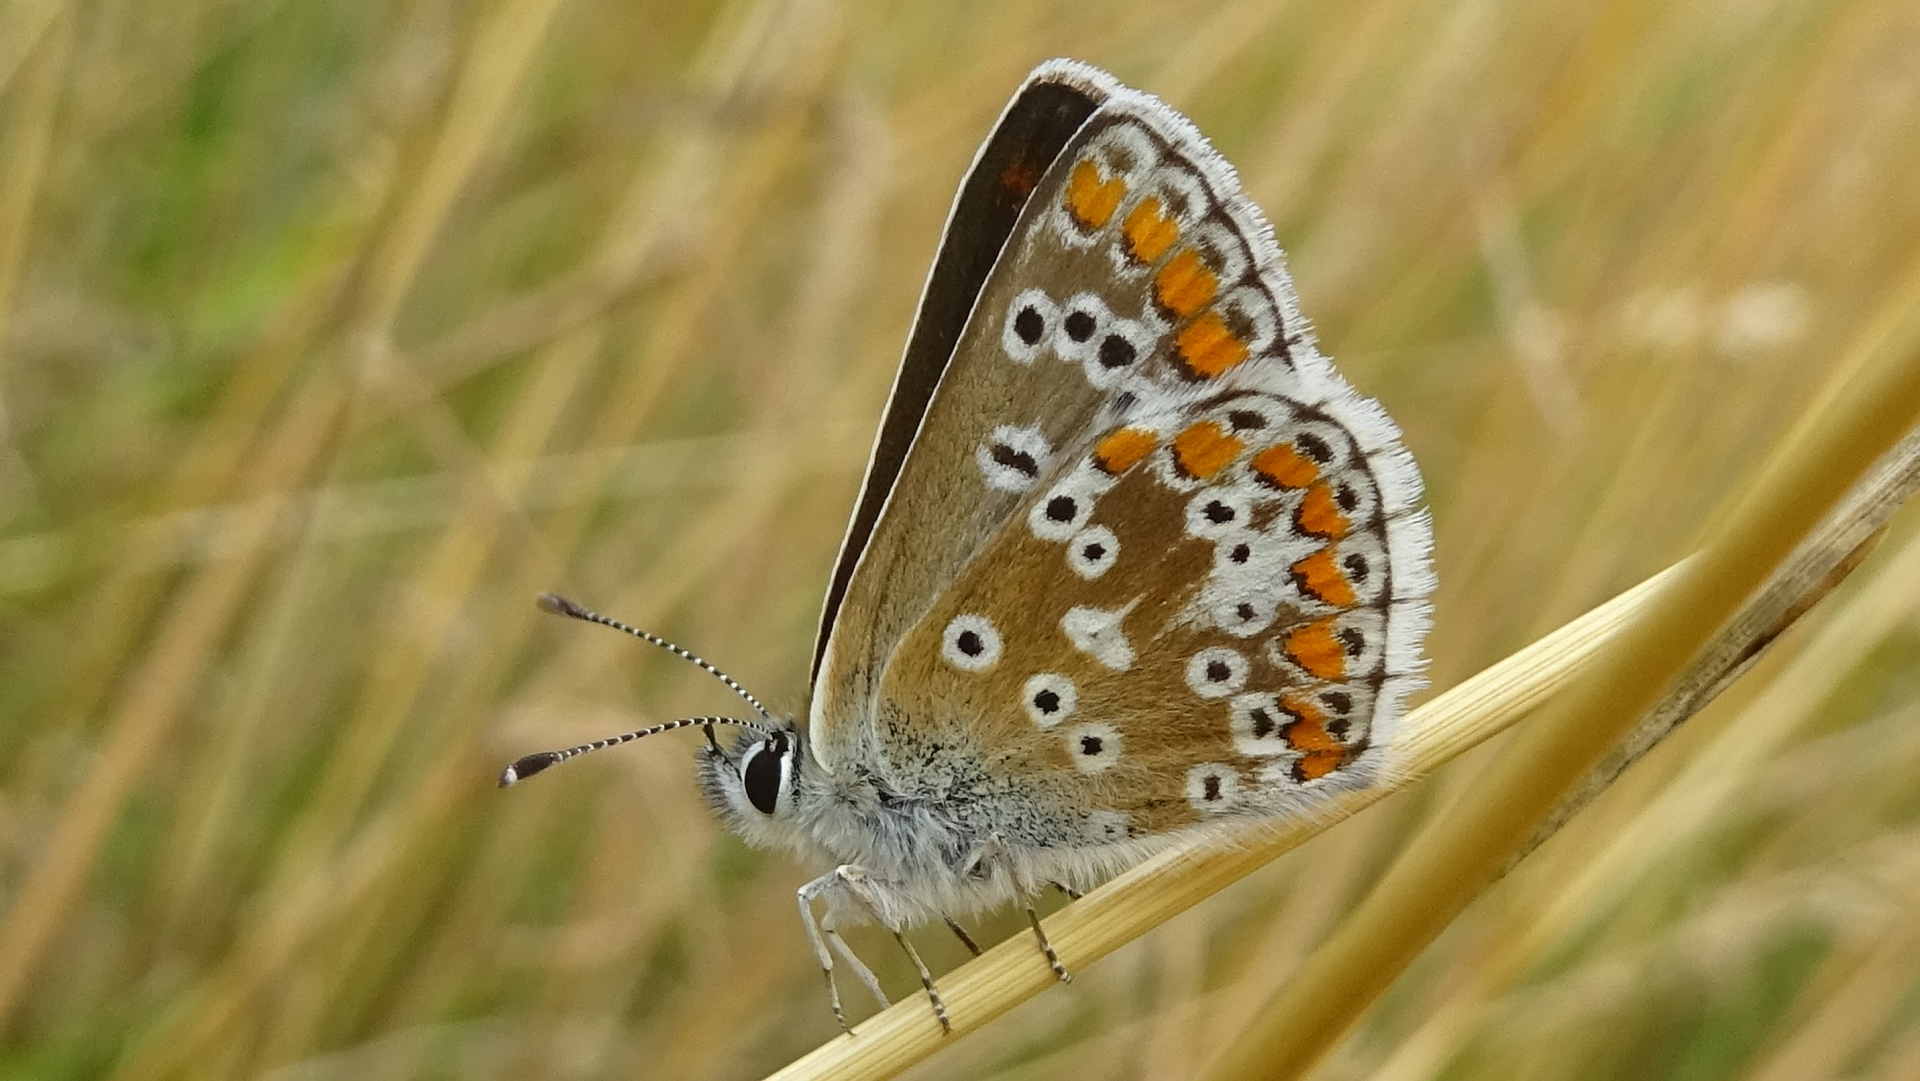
(560, 606)
(522, 768)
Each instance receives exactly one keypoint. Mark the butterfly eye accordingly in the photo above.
(762, 772)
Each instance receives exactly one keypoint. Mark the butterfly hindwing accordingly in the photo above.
(1206, 632)
(1147, 552)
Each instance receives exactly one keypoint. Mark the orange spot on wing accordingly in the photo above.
(1284, 467)
(1207, 348)
(1320, 515)
(1308, 730)
(1185, 285)
(1321, 577)
(1317, 764)
(1019, 177)
(1123, 448)
(1314, 648)
(1205, 449)
(1091, 200)
(1148, 233)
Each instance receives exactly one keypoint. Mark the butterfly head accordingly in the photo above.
(771, 792)
(755, 779)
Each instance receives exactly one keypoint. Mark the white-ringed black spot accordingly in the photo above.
(1116, 352)
(1354, 640)
(1017, 460)
(1337, 701)
(1212, 787)
(1246, 420)
(1356, 565)
(970, 643)
(1011, 457)
(1079, 325)
(1216, 672)
(1093, 747)
(1063, 510)
(1029, 324)
(1049, 698)
(1218, 512)
(1344, 496)
(1240, 611)
(1093, 551)
(1240, 553)
(1028, 327)
(1338, 728)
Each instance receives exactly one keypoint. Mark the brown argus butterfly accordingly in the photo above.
(1132, 563)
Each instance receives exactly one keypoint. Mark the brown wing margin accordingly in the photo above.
(1029, 136)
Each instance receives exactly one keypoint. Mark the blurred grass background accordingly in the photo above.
(330, 334)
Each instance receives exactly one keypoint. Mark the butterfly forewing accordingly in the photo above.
(1148, 553)
(1039, 120)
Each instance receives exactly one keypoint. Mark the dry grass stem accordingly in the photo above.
(1444, 868)
(1836, 547)
(1163, 887)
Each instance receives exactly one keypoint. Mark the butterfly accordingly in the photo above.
(1131, 565)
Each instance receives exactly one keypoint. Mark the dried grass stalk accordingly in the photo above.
(1619, 657)
(1445, 867)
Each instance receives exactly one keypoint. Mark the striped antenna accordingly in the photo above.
(560, 606)
(523, 768)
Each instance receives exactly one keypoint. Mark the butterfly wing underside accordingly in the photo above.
(1042, 116)
(1147, 553)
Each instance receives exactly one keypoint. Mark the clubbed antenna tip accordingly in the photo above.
(529, 765)
(555, 604)
(523, 768)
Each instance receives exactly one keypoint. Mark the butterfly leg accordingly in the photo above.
(1053, 959)
(995, 852)
(960, 933)
(820, 933)
(806, 895)
(858, 885)
(1072, 894)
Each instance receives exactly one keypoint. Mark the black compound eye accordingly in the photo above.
(761, 777)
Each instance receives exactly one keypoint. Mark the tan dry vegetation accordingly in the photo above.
(330, 334)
